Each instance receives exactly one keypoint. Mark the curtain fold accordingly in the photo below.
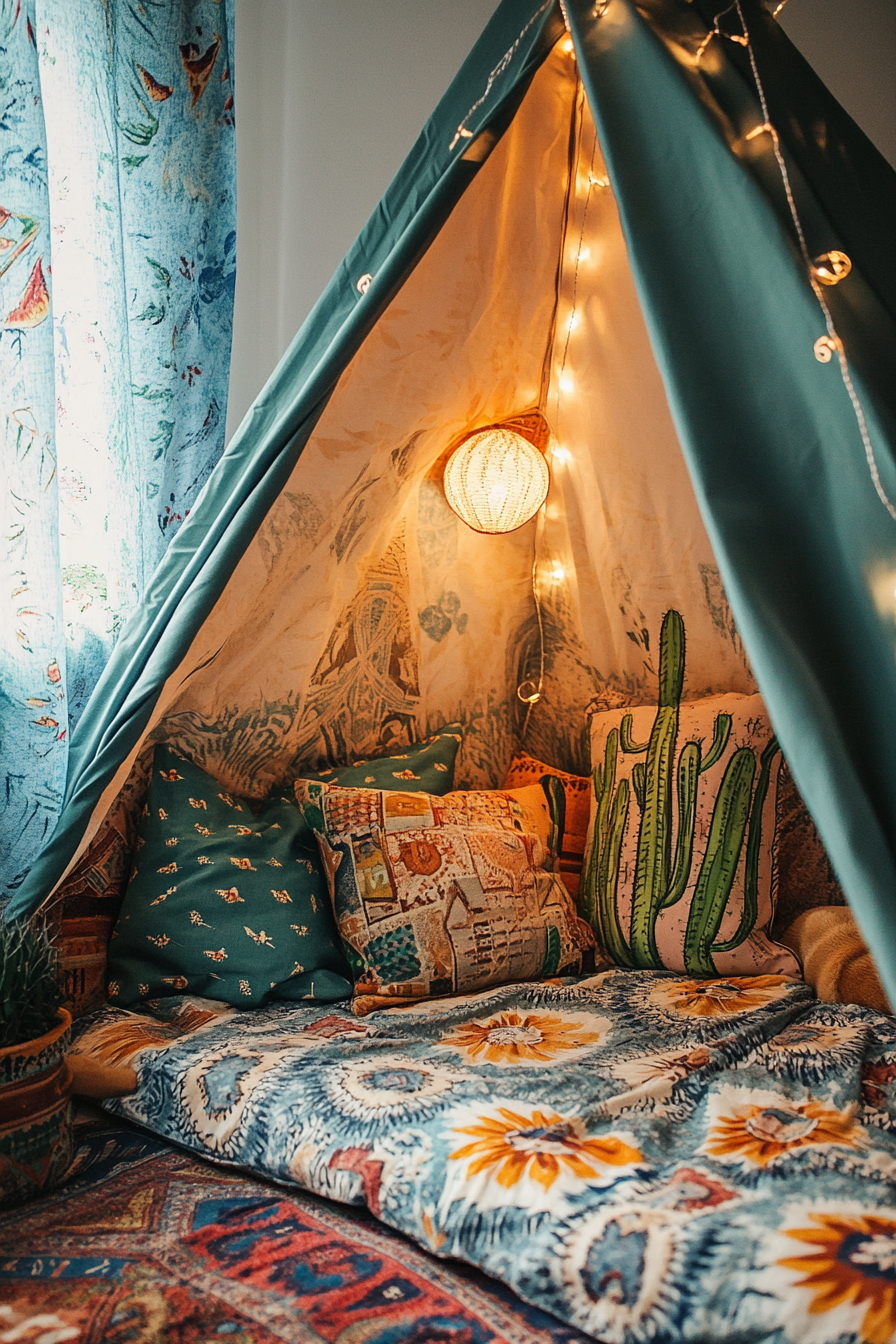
(119, 196)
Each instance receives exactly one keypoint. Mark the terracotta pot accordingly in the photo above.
(35, 1114)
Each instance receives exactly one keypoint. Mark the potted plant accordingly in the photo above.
(35, 1102)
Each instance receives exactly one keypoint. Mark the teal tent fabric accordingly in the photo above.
(117, 136)
(807, 550)
(803, 542)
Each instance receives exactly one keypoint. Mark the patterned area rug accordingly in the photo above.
(146, 1244)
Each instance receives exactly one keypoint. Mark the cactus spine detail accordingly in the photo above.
(665, 853)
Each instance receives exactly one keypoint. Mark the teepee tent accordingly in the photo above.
(608, 226)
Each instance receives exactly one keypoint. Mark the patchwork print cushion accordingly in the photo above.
(569, 798)
(437, 896)
(680, 860)
(231, 903)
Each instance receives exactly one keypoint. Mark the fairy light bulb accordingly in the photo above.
(831, 267)
(496, 480)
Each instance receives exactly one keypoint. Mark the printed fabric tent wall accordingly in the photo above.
(595, 224)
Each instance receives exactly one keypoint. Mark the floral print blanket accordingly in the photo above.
(646, 1156)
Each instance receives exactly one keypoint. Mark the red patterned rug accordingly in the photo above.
(146, 1244)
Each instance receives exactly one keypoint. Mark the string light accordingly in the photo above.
(831, 267)
(462, 132)
(825, 347)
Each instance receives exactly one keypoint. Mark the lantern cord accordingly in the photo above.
(833, 338)
(531, 697)
(592, 183)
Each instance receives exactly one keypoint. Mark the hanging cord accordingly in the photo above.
(592, 183)
(832, 344)
(530, 692)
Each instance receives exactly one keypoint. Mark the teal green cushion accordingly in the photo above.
(231, 903)
(425, 767)
(221, 902)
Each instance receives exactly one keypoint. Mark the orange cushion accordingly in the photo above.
(573, 827)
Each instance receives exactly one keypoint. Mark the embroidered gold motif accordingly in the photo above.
(199, 802)
(262, 939)
(160, 940)
(172, 842)
(169, 868)
(170, 776)
(196, 918)
(274, 863)
(297, 969)
(203, 830)
(231, 895)
(245, 864)
(245, 988)
(220, 955)
(175, 981)
(163, 815)
(164, 896)
(281, 896)
(203, 858)
(300, 929)
(241, 830)
(226, 798)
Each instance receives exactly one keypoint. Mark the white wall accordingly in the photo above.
(331, 94)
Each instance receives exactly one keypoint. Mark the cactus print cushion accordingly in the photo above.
(569, 798)
(681, 847)
(651, 1158)
(680, 865)
(435, 896)
(229, 900)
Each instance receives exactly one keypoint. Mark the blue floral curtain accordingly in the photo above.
(117, 271)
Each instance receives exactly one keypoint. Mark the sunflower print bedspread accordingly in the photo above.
(648, 1157)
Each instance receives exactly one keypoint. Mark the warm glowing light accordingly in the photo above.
(573, 322)
(567, 46)
(561, 454)
(584, 253)
(558, 574)
(496, 480)
(567, 384)
(831, 267)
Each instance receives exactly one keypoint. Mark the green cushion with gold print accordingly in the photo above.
(232, 904)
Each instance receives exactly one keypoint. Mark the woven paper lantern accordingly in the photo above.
(496, 480)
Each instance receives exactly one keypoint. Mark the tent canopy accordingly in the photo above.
(594, 225)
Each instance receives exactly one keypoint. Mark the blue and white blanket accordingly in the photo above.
(649, 1157)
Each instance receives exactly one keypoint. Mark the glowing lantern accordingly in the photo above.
(496, 480)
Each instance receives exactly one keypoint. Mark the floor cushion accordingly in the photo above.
(227, 899)
(570, 799)
(436, 896)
